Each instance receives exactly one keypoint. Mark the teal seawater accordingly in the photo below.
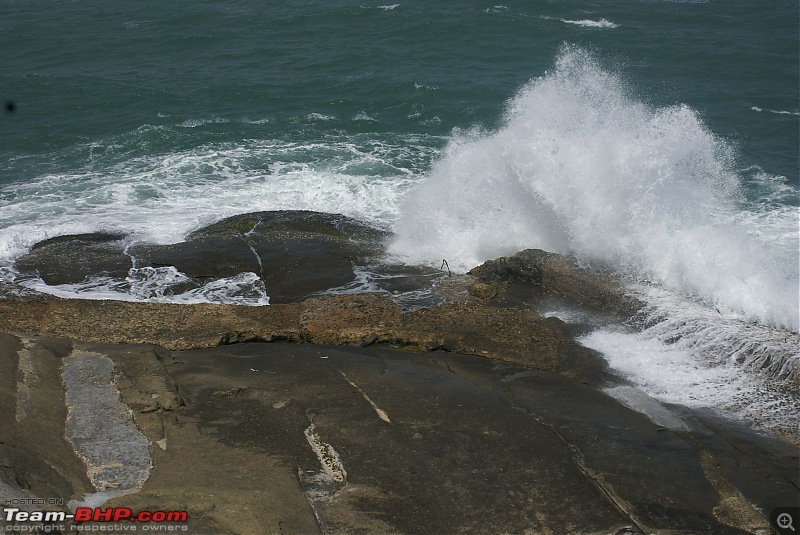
(87, 71)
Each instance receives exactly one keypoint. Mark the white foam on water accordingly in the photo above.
(675, 373)
(363, 116)
(581, 167)
(242, 289)
(721, 338)
(264, 120)
(160, 199)
(157, 285)
(496, 9)
(319, 117)
(418, 85)
(194, 123)
(775, 193)
(364, 281)
(682, 351)
(152, 282)
(777, 112)
(586, 23)
(370, 280)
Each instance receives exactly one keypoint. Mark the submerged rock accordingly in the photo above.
(295, 253)
(70, 259)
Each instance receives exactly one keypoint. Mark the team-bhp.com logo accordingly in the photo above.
(17, 519)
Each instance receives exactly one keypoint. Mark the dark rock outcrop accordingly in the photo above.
(295, 253)
(70, 259)
(554, 275)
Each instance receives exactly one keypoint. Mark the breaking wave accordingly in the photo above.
(581, 167)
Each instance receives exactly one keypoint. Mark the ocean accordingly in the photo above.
(654, 139)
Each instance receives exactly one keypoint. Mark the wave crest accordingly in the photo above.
(580, 167)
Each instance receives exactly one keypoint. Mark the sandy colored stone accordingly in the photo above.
(168, 325)
(348, 319)
(473, 327)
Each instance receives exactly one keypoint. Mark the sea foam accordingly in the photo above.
(581, 167)
(160, 198)
(586, 23)
(156, 285)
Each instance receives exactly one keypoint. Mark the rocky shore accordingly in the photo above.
(462, 410)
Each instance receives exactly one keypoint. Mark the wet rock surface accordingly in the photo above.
(294, 253)
(70, 259)
(306, 438)
(554, 275)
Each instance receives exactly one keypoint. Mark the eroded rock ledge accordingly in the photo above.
(475, 327)
(314, 438)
